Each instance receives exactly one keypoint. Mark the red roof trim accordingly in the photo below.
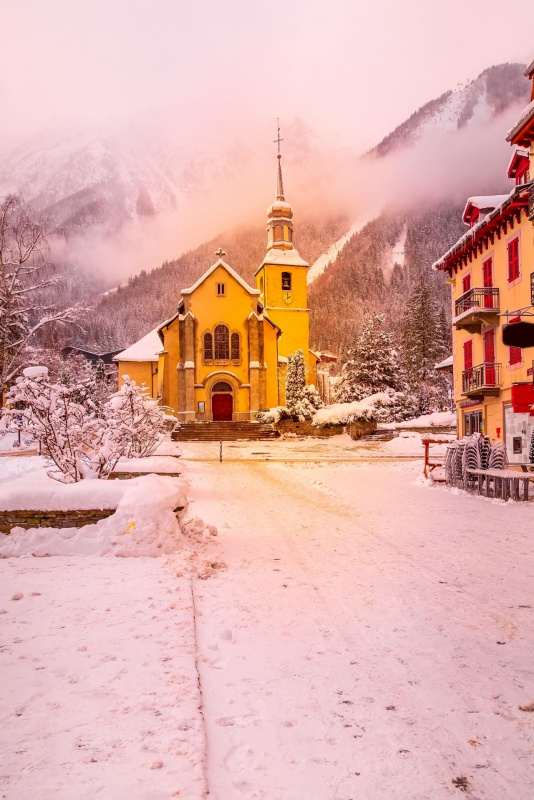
(485, 234)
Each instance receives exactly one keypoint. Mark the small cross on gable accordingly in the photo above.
(220, 252)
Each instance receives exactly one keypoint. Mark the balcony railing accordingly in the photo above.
(483, 379)
(478, 300)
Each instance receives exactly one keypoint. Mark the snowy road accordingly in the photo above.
(356, 635)
(371, 637)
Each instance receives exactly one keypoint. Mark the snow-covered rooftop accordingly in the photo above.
(146, 349)
(228, 268)
(289, 258)
(470, 234)
(526, 115)
(447, 362)
(529, 70)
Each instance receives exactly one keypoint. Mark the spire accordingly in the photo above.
(280, 182)
(279, 225)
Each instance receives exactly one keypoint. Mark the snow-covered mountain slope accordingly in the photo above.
(495, 90)
(326, 258)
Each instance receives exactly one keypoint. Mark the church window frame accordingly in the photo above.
(235, 347)
(221, 289)
(221, 343)
(207, 347)
(286, 281)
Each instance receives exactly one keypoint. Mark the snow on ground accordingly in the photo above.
(371, 637)
(356, 634)
(99, 685)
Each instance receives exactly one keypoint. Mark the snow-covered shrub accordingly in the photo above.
(360, 410)
(72, 436)
(134, 419)
(274, 414)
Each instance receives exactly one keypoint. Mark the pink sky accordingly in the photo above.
(351, 69)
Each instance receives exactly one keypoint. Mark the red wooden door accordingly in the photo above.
(487, 270)
(489, 358)
(222, 406)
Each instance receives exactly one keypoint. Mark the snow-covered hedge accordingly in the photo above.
(359, 410)
(438, 419)
(274, 414)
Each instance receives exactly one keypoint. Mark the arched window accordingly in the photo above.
(208, 347)
(235, 346)
(286, 281)
(222, 343)
(222, 386)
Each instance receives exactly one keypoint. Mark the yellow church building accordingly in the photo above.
(223, 354)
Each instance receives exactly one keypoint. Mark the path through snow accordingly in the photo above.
(371, 638)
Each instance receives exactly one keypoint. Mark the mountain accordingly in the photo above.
(496, 89)
(94, 180)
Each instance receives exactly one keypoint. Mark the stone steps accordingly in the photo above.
(222, 432)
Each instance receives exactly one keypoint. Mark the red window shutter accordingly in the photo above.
(513, 260)
(516, 355)
(466, 283)
(468, 355)
(489, 346)
(487, 268)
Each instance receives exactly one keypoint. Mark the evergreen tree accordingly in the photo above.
(423, 347)
(372, 363)
(299, 401)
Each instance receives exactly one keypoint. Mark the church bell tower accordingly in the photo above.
(282, 279)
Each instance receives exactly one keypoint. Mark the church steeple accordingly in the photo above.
(279, 215)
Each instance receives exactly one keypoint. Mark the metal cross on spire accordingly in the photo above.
(279, 181)
(278, 140)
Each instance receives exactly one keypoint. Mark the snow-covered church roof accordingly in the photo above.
(146, 349)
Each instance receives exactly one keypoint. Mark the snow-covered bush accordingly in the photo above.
(134, 419)
(274, 414)
(72, 436)
(360, 410)
(83, 436)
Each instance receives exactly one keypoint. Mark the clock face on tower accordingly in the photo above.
(287, 297)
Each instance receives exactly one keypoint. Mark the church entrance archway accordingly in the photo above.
(222, 402)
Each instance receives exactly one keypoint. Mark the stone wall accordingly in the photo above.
(51, 519)
(358, 429)
(306, 428)
(123, 476)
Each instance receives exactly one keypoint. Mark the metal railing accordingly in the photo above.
(485, 299)
(483, 376)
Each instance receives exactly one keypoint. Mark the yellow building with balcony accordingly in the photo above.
(491, 272)
(222, 356)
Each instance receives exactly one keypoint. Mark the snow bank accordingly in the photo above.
(439, 419)
(339, 413)
(144, 523)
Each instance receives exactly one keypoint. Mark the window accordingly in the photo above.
(221, 289)
(208, 347)
(466, 283)
(516, 355)
(286, 281)
(468, 355)
(222, 386)
(222, 343)
(472, 423)
(513, 260)
(235, 346)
